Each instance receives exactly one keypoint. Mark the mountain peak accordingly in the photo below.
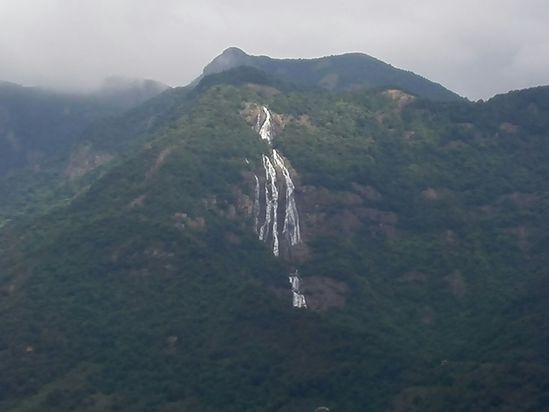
(230, 58)
(234, 52)
(345, 72)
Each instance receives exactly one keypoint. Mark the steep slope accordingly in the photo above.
(70, 162)
(52, 145)
(352, 71)
(182, 199)
(421, 258)
(37, 123)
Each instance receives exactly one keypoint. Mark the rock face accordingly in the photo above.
(84, 160)
(324, 293)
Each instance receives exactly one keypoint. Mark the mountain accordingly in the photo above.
(352, 71)
(46, 138)
(36, 123)
(127, 93)
(253, 245)
(49, 139)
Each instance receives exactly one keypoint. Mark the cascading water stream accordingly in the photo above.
(298, 299)
(274, 164)
(271, 205)
(256, 203)
(266, 129)
(291, 228)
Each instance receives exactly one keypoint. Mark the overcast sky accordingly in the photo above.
(475, 47)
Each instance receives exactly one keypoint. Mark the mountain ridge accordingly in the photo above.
(349, 71)
(421, 255)
(34, 121)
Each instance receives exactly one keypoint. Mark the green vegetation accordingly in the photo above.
(148, 291)
(52, 151)
(352, 71)
(36, 124)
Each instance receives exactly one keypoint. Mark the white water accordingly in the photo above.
(274, 164)
(266, 129)
(257, 205)
(264, 230)
(291, 228)
(271, 205)
(298, 299)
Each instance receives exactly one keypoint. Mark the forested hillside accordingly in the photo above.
(422, 258)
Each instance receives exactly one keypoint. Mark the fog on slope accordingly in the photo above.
(476, 49)
(36, 123)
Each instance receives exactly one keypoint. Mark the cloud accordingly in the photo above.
(475, 48)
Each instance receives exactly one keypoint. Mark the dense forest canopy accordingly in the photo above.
(132, 277)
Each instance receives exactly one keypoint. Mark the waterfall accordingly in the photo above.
(257, 205)
(298, 299)
(266, 129)
(274, 166)
(271, 204)
(291, 228)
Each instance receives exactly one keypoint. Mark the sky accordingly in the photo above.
(477, 48)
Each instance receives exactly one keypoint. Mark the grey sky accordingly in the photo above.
(475, 47)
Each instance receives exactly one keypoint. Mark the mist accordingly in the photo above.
(475, 49)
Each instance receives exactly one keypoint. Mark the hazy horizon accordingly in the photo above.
(476, 50)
